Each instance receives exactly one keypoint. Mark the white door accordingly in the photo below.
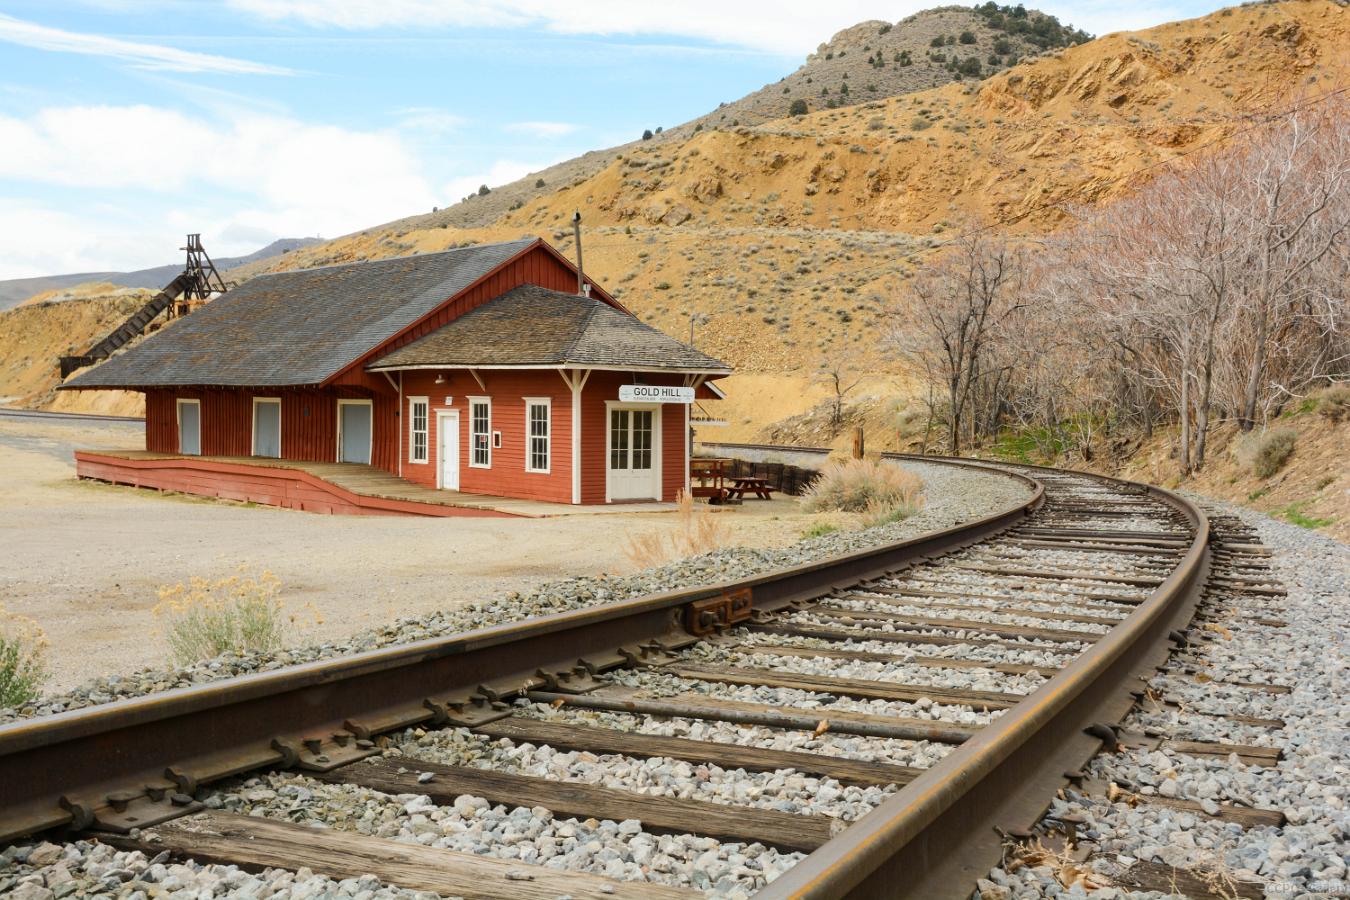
(634, 454)
(189, 428)
(447, 450)
(354, 431)
(267, 428)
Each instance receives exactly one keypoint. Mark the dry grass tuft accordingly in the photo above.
(883, 492)
(23, 658)
(205, 618)
(697, 530)
(1334, 402)
(1266, 452)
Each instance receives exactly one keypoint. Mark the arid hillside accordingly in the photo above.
(33, 335)
(790, 236)
(783, 242)
(866, 62)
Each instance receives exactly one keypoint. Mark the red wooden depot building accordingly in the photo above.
(478, 371)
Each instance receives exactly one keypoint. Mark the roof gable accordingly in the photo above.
(300, 327)
(534, 326)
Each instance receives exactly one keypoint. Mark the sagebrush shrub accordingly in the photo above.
(1334, 402)
(23, 659)
(1268, 451)
(205, 618)
(862, 485)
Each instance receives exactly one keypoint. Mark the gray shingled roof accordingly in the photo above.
(535, 326)
(301, 327)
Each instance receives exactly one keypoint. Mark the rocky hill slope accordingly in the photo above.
(866, 62)
(785, 241)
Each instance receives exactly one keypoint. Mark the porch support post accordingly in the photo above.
(576, 381)
(693, 381)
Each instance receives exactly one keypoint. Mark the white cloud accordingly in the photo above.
(238, 178)
(142, 56)
(544, 129)
(791, 27)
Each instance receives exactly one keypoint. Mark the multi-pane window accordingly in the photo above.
(480, 432)
(417, 423)
(618, 439)
(538, 424)
(642, 439)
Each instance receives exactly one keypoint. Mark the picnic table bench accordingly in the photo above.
(749, 484)
(707, 476)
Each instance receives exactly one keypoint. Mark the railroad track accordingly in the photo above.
(882, 724)
(15, 413)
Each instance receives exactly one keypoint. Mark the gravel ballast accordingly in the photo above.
(952, 496)
(1310, 855)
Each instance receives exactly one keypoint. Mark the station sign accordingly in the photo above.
(655, 393)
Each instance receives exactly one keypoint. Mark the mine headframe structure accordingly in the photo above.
(192, 287)
(202, 278)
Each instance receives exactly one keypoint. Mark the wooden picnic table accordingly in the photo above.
(707, 477)
(749, 484)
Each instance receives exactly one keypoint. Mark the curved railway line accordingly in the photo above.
(933, 695)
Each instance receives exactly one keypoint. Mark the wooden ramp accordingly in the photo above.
(333, 488)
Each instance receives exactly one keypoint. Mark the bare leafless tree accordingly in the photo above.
(841, 376)
(948, 322)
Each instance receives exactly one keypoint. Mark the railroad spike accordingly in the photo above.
(186, 782)
(81, 816)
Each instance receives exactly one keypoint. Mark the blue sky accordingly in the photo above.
(126, 123)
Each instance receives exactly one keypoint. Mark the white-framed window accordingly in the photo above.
(538, 434)
(419, 411)
(480, 432)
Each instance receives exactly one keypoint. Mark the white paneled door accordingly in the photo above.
(634, 453)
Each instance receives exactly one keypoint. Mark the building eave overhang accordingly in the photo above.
(569, 366)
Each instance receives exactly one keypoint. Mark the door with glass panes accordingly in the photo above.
(634, 453)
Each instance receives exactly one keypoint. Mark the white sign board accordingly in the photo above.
(655, 393)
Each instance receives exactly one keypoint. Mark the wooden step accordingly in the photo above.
(726, 822)
(586, 738)
(255, 843)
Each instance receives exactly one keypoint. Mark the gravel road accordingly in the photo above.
(86, 560)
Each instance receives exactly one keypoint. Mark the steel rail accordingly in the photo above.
(16, 412)
(86, 767)
(944, 830)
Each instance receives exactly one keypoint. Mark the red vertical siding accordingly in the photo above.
(161, 423)
(507, 476)
(604, 386)
(308, 421)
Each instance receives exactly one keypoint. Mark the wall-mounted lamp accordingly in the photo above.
(440, 378)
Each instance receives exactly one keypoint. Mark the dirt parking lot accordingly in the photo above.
(86, 560)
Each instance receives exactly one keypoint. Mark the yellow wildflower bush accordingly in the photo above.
(204, 618)
(23, 658)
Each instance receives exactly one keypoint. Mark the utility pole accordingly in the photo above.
(576, 235)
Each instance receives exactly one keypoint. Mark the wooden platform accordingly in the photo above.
(333, 488)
